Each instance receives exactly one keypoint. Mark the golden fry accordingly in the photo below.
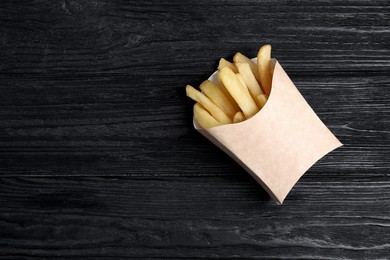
(214, 93)
(227, 94)
(263, 62)
(213, 109)
(234, 86)
(238, 117)
(204, 119)
(262, 99)
(242, 81)
(250, 80)
(242, 90)
(225, 63)
(240, 58)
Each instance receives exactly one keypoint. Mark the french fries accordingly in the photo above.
(235, 88)
(226, 93)
(242, 90)
(216, 95)
(238, 117)
(249, 79)
(215, 111)
(263, 62)
(225, 63)
(262, 99)
(245, 88)
(203, 117)
(240, 58)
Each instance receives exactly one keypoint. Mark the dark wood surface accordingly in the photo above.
(99, 159)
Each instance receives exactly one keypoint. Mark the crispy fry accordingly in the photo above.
(234, 86)
(245, 87)
(213, 109)
(227, 94)
(217, 97)
(240, 58)
(238, 117)
(203, 117)
(250, 80)
(263, 62)
(241, 79)
(242, 90)
(262, 99)
(225, 63)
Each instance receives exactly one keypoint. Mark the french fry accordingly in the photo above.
(225, 63)
(213, 109)
(250, 80)
(242, 90)
(240, 58)
(262, 99)
(263, 62)
(227, 94)
(241, 79)
(203, 117)
(245, 87)
(238, 117)
(234, 86)
(217, 97)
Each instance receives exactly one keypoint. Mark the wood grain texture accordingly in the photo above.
(98, 157)
(177, 218)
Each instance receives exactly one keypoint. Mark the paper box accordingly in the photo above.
(278, 144)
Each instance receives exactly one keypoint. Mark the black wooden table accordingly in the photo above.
(99, 159)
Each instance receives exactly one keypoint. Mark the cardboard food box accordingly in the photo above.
(278, 144)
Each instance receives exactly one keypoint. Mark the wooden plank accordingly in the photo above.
(96, 88)
(107, 127)
(93, 88)
(167, 38)
(213, 217)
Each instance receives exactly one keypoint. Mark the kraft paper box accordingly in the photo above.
(278, 144)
